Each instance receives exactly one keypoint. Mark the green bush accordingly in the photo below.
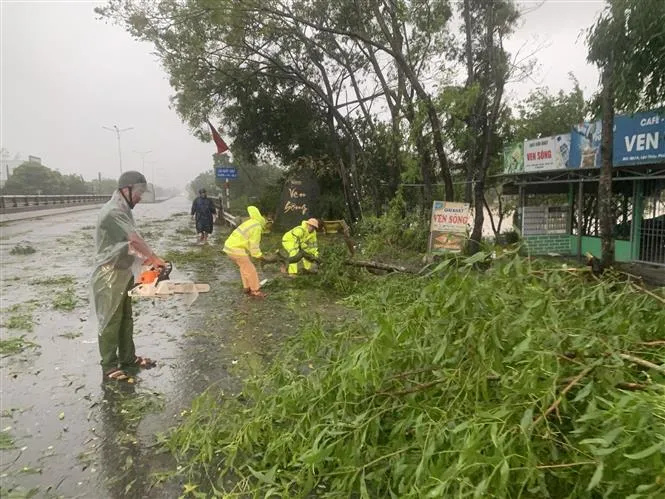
(394, 232)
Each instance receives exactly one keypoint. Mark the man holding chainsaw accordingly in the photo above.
(245, 241)
(300, 244)
(120, 254)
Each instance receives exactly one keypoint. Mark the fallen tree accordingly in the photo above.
(518, 381)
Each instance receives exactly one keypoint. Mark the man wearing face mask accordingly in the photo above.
(120, 252)
(203, 211)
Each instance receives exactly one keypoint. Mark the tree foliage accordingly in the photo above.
(542, 114)
(34, 178)
(629, 40)
(351, 80)
(627, 43)
(257, 183)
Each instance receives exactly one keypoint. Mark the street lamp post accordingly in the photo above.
(143, 153)
(117, 132)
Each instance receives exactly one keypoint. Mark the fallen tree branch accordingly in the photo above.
(642, 362)
(417, 388)
(568, 387)
(411, 373)
(650, 293)
(564, 465)
(654, 343)
(378, 265)
(633, 387)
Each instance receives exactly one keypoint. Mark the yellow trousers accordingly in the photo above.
(293, 267)
(250, 279)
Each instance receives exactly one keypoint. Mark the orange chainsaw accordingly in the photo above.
(155, 274)
(156, 282)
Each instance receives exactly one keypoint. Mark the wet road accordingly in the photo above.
(64, 433)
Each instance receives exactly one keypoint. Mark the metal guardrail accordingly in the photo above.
(232, 220)
(28, 202)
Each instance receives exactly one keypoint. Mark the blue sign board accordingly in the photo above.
(639, 139)
(226, 172)
(585, 145)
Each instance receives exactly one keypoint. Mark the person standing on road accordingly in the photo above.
(245, 241)
(301, 241)
(203, 211)
(120, 253)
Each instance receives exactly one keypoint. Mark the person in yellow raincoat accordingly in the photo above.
(245, 241)
(302, 239)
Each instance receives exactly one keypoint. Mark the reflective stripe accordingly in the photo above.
(246, 230)
(233, 251)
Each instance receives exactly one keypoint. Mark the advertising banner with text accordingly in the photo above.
(546, 153)
(639, 139)
(449, 226)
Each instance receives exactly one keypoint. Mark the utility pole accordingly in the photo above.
(143, 153)
(117, 132)
(153, 171)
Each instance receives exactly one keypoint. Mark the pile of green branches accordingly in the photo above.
(525, 380)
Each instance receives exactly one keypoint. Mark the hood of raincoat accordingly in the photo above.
(255, 214)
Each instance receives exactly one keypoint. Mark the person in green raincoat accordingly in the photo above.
(119, 254)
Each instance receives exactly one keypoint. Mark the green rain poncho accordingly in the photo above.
(117, 258)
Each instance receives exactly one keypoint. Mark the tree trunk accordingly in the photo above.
(470, 78)
(605, 205)
(402, 62)
(497, 78)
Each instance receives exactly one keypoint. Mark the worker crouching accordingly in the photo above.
(301, 241)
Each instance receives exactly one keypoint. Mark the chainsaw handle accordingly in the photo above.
(164, 271)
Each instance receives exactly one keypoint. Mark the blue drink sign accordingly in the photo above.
(639, 139)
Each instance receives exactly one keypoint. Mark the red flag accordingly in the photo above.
(219, 141)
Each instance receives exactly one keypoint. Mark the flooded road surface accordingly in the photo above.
(64, 433)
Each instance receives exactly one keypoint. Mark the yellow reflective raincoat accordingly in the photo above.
(300, 239)
(246, 238)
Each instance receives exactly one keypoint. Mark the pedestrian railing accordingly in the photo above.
(27, 202)
(224, 215)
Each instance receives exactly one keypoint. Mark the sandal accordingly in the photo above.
(257, 294)
(118, 375)
(144, 362)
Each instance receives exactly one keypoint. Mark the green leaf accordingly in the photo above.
(363, 487)
(604, 452)
(481, 488)
(597, 477)
(646, 452)
(593, 441)
(584, 392)
(527, 419)
(522, 347)
(260, 476)
(478, 257)
(611, 435)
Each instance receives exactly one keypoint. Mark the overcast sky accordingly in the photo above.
(65, 74)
